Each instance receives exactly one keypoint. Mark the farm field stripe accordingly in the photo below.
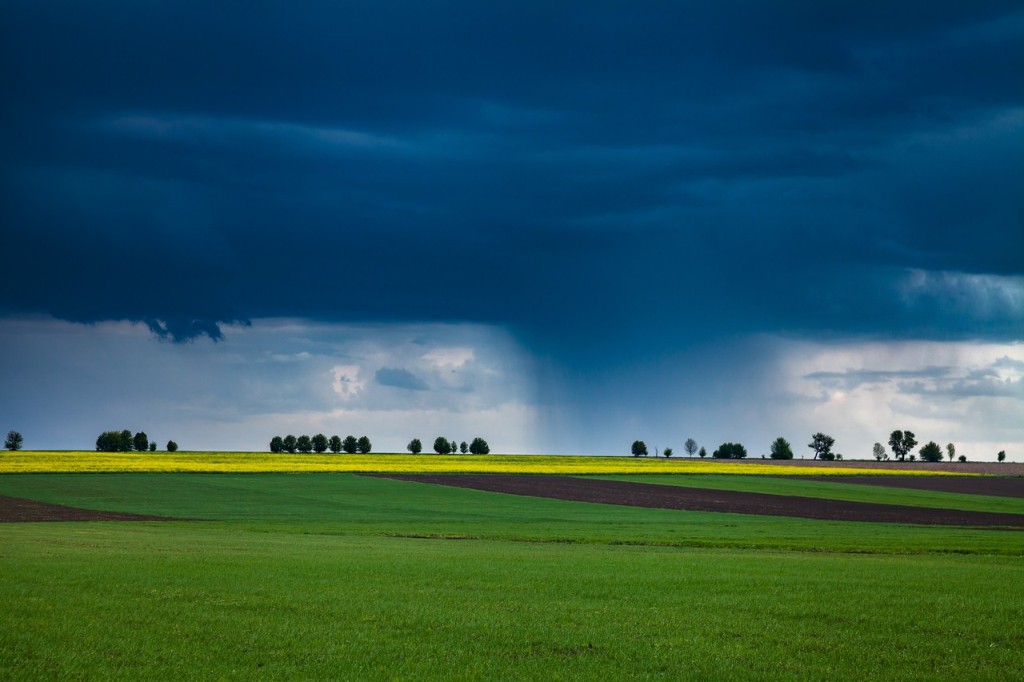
(28, 462)
(21, 510)
(701, 499)
(987, 485)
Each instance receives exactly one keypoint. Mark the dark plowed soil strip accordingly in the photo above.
(699, 499)
(17, 510)
(973, 485)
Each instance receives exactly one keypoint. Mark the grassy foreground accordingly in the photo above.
(265, 462)
(317, 576)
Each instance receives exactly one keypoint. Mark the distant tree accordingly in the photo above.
(127, 441)
(463, 447)
(108, 441)
(14, 441)
(453, 447)
(730, 451)
(1001, 456)
(141, 441)
(172, 446)
(951, 451)
(290, 443)
(822, 446)
(902, 442)
(931, 452)
(703, 453)
(667, 452)
(320, 443)
(441, 445)
(415, 446)
(350, 445)
(334, 444)
(962, 458)
(364, 445)
(879, 452)
(304, 444)
(277, 444)
(639, 448)
(690, 446)
(479, 447)
(781, 449)
(152, 446)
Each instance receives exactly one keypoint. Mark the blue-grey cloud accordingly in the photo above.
(636, 179)
(397, 377)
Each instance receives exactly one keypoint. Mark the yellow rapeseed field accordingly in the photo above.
(258, 462)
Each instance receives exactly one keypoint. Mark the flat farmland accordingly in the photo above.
(345, 576)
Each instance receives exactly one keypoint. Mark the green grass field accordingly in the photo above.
(315, 576)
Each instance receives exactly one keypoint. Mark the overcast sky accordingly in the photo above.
(560, 226)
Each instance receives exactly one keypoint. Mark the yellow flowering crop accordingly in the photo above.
(257, 462)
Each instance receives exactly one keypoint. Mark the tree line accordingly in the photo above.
(902, 444)
(124, 441)
(320, 444)
(443, 446)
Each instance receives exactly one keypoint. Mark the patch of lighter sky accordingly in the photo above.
(946, 402)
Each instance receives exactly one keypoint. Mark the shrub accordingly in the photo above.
(730, 451)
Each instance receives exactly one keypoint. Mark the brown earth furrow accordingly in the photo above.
(971, 485)
(21, 510)
(701, 499)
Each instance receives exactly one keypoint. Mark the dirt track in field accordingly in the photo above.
(972, 485)
(700, 499)
(20, 510)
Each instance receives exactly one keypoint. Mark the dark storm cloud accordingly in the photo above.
(595, 177)
(397, 377)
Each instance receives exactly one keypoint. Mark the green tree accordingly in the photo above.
(290, 443)
(479, 447)
(415, 446)
(730, 451)
(463, 447)
(364, 445)
(1001, 456)
(335, 444)
(667, 452)
(441, 445)
(902, 442)
(277, 444)
(172, 446)
(319, 443)
(141, 441)
(304, 444)
(690, 446)
(639, 448)
(822, 446)
(152, 446)
(108, 441)
(961, 458)
(453, 447)
(350, 445)
(703, 452)
(879, 452)
(127, 441)
(14, 441)
(781, 449)
(951, 451)
(931, 452)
